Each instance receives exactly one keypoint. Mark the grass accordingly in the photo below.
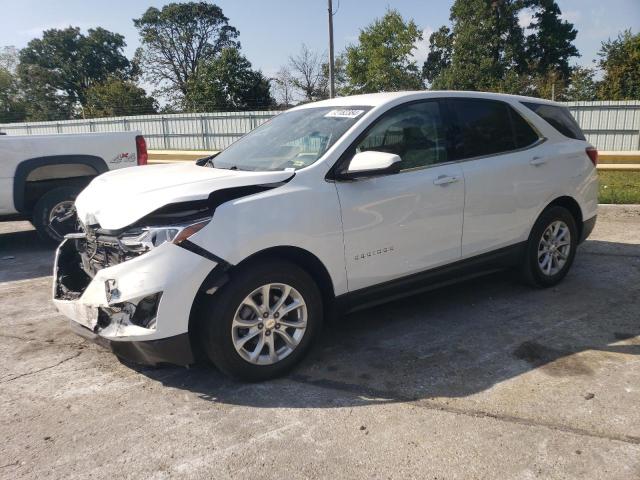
(619, 187)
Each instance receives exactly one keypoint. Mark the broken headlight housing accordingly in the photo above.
(144, 239)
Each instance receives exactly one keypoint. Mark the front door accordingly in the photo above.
(399, 224)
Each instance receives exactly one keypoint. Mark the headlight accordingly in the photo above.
(146, 238)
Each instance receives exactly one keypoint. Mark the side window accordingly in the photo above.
(415, 132)
(525, 135)
(558, 117)
(481, 127)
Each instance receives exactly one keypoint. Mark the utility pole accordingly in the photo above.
(332, 86)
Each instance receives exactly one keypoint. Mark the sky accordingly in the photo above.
(272, 30)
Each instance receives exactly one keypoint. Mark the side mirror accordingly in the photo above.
(370, 164)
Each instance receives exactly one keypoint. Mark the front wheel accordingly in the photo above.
(263, 321)
(551, 248)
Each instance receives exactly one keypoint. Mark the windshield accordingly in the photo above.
(294, 139)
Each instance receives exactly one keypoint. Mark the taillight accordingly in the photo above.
(592, 152)
(141, 150)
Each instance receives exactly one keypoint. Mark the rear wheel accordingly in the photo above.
(551, 247)
(54, 214)
(263, 321)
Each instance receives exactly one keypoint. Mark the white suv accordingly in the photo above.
(330, 206)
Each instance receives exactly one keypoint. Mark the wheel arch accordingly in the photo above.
(305, 260)
(35, 171)
(219, 276)
(573, 206)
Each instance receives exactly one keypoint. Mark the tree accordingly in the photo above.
(582, 86)
(9, 59)
(178, 39)
(283, 87)
(228, 82)
(339, 77)
(65, 63)
(306, 68)
(116, 97)
(12, 105)
(382, 60)
(620, 62)
(550, 46)
(439, 57)
(484, 50)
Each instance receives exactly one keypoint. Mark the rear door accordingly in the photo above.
(506, 175)
(403, 223)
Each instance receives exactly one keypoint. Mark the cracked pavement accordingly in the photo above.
(487, 379)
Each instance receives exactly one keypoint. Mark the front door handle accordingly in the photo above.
(537, 161)
(445, 180)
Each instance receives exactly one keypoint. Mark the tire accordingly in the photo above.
(223, 315)
(60, 198)
(556, 247)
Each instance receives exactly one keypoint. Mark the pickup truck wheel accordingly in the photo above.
(551, 248)
(54, 215)
(263, 321)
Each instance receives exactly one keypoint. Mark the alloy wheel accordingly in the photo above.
(554, 248)
(269, 324)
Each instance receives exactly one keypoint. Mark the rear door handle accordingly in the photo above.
(537, 161)
(445, 180)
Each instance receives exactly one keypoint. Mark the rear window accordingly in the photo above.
(558, 117)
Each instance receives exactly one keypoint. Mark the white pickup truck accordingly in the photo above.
(41, 175)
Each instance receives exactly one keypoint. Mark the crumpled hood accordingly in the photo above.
(119, 198)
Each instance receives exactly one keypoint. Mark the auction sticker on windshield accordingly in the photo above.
(344, 113)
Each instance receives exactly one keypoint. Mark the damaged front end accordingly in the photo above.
(112, 285)
(78, 261)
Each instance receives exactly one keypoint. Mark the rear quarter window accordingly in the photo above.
(525, 135)
(558, 117)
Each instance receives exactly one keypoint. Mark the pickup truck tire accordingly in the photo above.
(227, 320)
(54, 215)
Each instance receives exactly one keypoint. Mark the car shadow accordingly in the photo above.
(453, 342)
(22, 254)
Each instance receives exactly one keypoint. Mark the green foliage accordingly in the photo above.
(178, 39)
(551, 46)
(619, 187)
(486, 48)
(484, 51)
(339, 76)
(382, 61)
(439, 57)
(57, 70)
(582, 86)
(227, 82)
(620, 61)
(118, 97)
(12, 105)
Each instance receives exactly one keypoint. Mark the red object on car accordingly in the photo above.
(141, 149)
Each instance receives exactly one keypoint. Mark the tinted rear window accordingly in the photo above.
(558, 117)
(483, 127)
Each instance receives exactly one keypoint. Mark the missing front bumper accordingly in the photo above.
(174, 350)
